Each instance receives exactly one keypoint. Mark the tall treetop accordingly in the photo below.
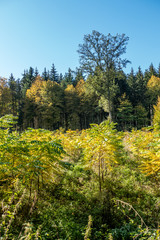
(102, 51)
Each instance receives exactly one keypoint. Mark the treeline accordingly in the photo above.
(50, 100)
(98, 90)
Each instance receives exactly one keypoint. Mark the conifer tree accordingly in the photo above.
(27, 80)
(36, 73)
(53, 76)
(14, 94)
(68, 78)
(131, 81)
(149, 72)
(125, 113)
(60, 78)
(141, 87)
(78, 76)
(152, 70)
(45, 75)
(158, 71)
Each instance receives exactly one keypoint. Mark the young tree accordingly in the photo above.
(100, 56)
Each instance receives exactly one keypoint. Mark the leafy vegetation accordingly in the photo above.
(92, 184)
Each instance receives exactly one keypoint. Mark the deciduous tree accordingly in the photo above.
(100, 56)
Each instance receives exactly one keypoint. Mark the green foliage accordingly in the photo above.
(88, 184)
(100, 56)
(156, 117)
(125, 112)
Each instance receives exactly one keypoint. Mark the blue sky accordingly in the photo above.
(38, 33)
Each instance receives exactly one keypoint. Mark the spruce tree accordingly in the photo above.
(141, 87)
(132, 85)
(14, 94)
(53, 74)
(78, 76)
(27, 80)
(36, 73)
(45, 75)
(60, 78)
(68, 78)
(158, 71)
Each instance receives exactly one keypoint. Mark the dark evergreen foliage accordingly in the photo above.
(87, 106)
(45, 75)
(53, 76)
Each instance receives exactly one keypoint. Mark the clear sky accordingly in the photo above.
(38, 33)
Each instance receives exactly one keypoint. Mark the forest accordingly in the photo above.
(79, 153)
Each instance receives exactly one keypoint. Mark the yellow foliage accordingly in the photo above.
(80, 87)
(154, 84)
(70, 89)
(72, 142)
(34, 93)
(156, 117)
(145, 145)
(32, 156)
